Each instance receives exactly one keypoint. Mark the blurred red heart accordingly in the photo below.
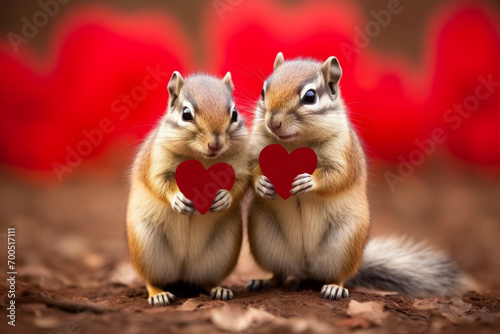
(383, 92)
(200, 185)
(473, 131)
(98, 68)
(52, 101)
(281, 168)
(393, 100)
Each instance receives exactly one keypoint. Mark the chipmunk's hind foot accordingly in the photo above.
(219, 293)
(334, 292)
(162, 299)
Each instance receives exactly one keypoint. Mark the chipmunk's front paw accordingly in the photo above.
(162, 299)
(222, 201)
(334, 292)
(182, 204)
(265, 188)
(301, 184)
(219, 293)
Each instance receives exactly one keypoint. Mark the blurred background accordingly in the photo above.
(84, 81)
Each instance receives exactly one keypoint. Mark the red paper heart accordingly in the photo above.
(282, 168)
(200, 185)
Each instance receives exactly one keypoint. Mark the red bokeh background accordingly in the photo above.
(99, 56)
(80, 94)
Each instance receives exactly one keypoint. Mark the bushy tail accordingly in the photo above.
(412, 269)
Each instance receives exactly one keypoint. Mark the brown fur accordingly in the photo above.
(135, 251)
(279, 99)
(332, 179)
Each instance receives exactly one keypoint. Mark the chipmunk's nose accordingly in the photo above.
(216, 143)
(214, 148)
(275, 125)
(275, 122)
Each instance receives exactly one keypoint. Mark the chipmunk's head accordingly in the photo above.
(301, 100)
(202, 119)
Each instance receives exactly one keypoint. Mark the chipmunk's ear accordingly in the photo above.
(228, 81)
(174, 88)
(279, 60)
(332, 72)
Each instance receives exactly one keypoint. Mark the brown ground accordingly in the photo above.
(74, 277)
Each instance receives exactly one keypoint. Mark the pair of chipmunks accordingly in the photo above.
(318, 234)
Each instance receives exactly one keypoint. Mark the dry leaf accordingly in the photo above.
(301, 325)
(48, 322)
(235, 320)
(191, 304)
(354, 323)
(371, 311)
(125, 274)
(454, 309)
(47, 279)
(375, 292)
(426, 304)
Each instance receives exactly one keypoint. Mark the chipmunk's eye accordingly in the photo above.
(234, 116)
(309, 97)
(187, 115)
(262, 93)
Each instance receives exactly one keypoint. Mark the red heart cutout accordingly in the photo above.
(200, 185)
(282, 168)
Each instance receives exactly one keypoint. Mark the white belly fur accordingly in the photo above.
(177, 247)
(310, 249)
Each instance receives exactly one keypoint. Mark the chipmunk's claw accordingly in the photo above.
(301, 184)
(265, 188)
(222, 201)
(257, 284)
(162, 299)
(182, 204)
(334, 292)
(219, 293)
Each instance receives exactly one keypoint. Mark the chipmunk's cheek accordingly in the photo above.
(224, 149)
(198, 147)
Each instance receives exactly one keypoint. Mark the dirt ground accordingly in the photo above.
(74, 275)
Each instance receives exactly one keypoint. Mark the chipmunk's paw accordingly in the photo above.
(257, 284)
(182, 204)
(162, 299)
(301, 184)
(265, 188)
(222, 201)
(219, 293)
(333, 292)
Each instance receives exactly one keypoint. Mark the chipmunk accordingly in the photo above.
(169, 242)
(321, 232)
